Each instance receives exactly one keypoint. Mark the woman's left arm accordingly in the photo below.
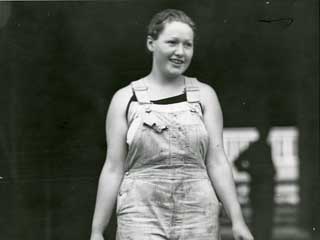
(218, 167)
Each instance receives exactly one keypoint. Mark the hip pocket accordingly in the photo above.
(124, 193)
(212, 193)
(202, 192)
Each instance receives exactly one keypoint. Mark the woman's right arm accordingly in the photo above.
(113, 169)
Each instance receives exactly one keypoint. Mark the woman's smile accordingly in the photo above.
(177, 62)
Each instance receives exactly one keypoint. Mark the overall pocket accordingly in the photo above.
(123, 193)
(212, 193)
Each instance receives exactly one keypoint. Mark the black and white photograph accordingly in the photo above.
(159, 120)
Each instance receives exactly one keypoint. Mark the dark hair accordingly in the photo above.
(159, 20)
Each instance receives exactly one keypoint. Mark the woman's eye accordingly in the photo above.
(188, 45)
(172, 42)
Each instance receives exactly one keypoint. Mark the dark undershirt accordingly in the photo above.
(175, 99)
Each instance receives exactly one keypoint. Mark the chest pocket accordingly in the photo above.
(154, 123)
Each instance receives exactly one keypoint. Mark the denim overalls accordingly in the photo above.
(166, 193)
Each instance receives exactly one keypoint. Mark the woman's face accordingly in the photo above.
(173, 50)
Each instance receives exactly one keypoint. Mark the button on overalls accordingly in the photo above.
(166, 193)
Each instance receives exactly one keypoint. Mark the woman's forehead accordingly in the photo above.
(177, 29)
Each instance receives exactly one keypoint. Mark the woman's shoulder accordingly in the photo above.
(121, 98)
(208, 95)
(205, 89)
(123, 94)
(127, 91)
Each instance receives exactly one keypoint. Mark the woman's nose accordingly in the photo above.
(179, 50)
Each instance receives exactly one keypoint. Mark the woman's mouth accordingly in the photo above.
(177, 61)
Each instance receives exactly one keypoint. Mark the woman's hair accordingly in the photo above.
(159, 20)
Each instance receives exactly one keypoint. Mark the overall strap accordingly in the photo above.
(192, 90)
(141, 91)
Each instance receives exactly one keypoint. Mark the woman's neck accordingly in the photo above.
(160, 86)
(161, 80)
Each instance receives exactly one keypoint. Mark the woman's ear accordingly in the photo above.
(150, 43)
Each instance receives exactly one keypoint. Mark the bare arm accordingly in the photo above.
(113, 169)
(218, 166)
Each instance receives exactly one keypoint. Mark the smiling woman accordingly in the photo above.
(166, 167)
(172, 50)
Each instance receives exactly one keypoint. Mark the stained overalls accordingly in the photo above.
(166, 193)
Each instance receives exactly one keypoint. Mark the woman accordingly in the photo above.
(165, 160)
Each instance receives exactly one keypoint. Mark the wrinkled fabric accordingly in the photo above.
(166, 193)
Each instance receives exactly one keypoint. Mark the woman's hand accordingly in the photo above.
(96, 236)
(241, 232)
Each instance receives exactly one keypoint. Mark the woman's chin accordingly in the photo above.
(175, 73)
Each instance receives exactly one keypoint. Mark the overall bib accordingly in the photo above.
(166, 193)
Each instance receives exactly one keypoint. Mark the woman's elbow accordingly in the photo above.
(112, 167)
(219, 161)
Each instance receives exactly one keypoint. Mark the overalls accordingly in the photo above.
(166, 193)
